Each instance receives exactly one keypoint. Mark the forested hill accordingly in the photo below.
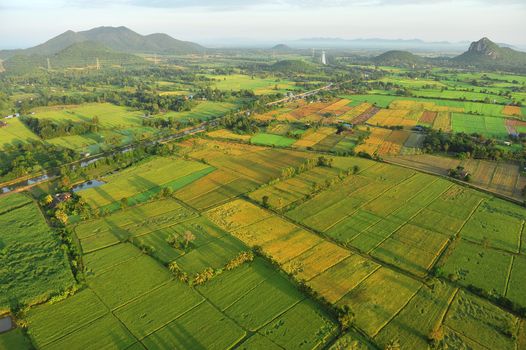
(78, 55)
(120, 39)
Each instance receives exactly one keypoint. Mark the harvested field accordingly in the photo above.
(374, 141)
(228, 135)
(442, 122)
(512, 111)
(359, 114)
(428, 117)
(312, 136)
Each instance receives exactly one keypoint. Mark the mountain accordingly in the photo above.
(118, 38)
(292, 66)
(485, 53)
(282, 48)
(378, 44)
(398, 58)
(77, 55)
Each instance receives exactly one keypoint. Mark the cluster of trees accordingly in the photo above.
(48, 129)
(467, 146)
(24, 158)
(240, 124)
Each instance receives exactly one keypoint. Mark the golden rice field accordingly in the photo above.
(314, 136)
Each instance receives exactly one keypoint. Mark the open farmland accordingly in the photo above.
(110, 116)
(26, 240)
(256, 199)
(140, 183)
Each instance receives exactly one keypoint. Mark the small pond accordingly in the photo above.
(88, 184)
(6, 324)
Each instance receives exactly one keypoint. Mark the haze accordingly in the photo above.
(215, 23)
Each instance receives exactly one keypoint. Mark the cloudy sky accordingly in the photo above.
(25, 23)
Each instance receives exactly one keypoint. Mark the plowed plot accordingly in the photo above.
(394, 142)
(412, 248)
(374, 141)
(309, 109)
(335, 282)
(515, 127)
(428, 117)
(357, 111)
(442, 122)
(312, 137)
(316, 260)
(380, 297)
(512, 111)
(337, 108)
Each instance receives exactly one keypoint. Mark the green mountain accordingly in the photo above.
(118, 38)
(398, 58)
(487, 54)
(282, 48)
(292, 66)
(79, 55)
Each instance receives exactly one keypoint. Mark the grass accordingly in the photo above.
(335, 282)
(106, 332)
(203, 111)
(290, 330)
(15, 133)
(125, 282)
(12, 201)
(151, 311)
(488, 126)
(422, 315)
(379, 298)
(264, 303)
(143, 181)
(260, 86)
(496, 223)
(230, 286)
(50, 322)
(481, 321)
(189, 331)
(34, 266)
(110, 116)
(471, 264)
(272, 140)
(258, 341)
(517, 288)
(15, 339)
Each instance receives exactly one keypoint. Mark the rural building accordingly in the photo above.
(3, 124)
(61, 198)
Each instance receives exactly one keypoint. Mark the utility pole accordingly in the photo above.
(98, 64)
(155, 59)
(48, 64)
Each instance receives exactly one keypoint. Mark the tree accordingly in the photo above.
(188, 238)
(265, 202)
(355, 169)
(436, 335)
(61, 216)
(346, 317)
(124, 203)
(48, 200)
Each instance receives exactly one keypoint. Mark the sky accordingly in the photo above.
(25, 23)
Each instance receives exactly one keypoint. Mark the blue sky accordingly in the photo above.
(25, 23)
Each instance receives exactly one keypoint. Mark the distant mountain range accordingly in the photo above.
(119, 39)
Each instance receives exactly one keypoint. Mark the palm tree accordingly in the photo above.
(188, 237)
